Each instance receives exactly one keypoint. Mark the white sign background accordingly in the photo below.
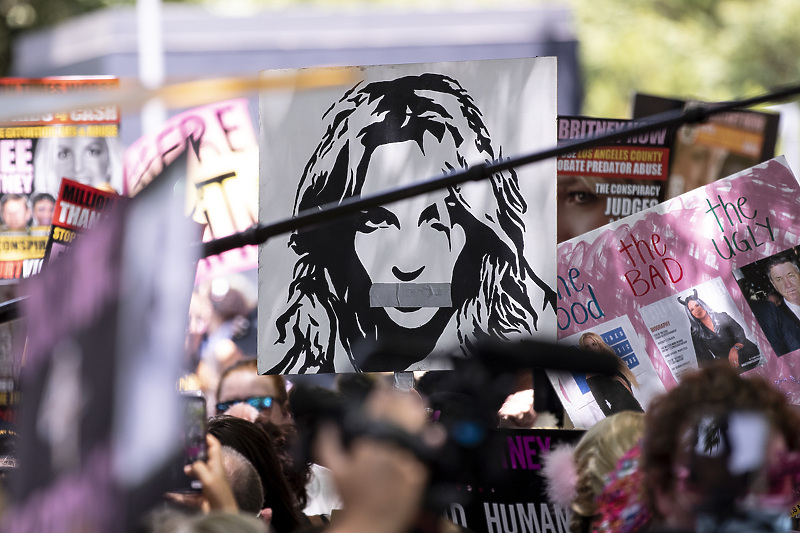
(517, 99)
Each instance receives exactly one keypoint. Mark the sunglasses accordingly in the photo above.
(259, 402)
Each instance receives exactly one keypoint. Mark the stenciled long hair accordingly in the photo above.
(328, 290)
(622, 368)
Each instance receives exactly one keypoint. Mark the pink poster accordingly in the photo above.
(712, 274)
(222, 191)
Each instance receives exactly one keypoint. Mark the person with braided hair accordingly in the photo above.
(743, 476)
(575, 476)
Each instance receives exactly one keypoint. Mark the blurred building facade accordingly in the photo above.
(199, 43)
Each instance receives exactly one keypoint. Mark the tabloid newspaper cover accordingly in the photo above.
(36, 152)
(605, 183)
(711, 274)
(78, 208)
(101, 364)
(723, 145)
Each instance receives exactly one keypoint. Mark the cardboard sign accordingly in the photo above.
(437, 271)
(650, 273)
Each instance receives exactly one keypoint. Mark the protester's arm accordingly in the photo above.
(739, 336)
(517, 410)
(211, 474)
(381, 483)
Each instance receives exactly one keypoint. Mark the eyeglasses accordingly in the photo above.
(259, 402)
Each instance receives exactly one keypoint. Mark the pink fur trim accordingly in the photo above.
(560, 474)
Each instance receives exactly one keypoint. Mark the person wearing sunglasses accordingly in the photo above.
(243, 393)
(241, 384)
(260, 403)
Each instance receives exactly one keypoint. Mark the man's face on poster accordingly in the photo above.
(413, 243)
(786, 280)
(16, 214)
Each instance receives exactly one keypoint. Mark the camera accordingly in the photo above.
(464, 403)
(729, 467)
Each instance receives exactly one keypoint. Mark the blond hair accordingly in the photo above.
(621, 366)
(595, 456)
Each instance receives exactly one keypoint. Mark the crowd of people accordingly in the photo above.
(363, 452)
(718, 452)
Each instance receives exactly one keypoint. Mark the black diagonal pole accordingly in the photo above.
(260, 233)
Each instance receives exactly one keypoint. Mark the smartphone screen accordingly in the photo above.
(193, 439)
(194, 424)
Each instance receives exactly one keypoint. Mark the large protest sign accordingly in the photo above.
(686, 282)
(516, 500)
(437, 271)
(724, 144)
(99, 375)
(606, 183)
(222, 192)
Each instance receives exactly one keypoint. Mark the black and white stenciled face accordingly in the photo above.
(397, 285)
(410, 247)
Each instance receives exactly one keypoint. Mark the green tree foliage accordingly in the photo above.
(703, 49)
(22, 15)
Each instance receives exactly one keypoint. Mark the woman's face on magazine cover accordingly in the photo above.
(413, 243)
(592, 344)
(83, 159)
(696, 309)
(579, 208)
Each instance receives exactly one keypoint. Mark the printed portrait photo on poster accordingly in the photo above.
(588, 397)
(394, 287)
(606, 183)
(723, 145)
(95, 161)
(700, 325)
(716, 335)
(772, 288)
